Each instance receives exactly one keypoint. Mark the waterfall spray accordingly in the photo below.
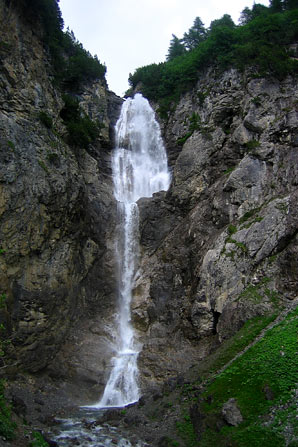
(139, 169)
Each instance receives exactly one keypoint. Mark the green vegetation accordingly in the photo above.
(53, 157)
(7, 426)
(11, 145)
(248, 215)
(268, 365)
(38, 440)
(45, 119)
(229, 170)
(186, 431)
(253, 144)
(232, 229)
(43, 166)
(81, 129)
(194, 124)
(256, 292)
(227, 351)
(207, 370)
(261, 42)
(72, 64)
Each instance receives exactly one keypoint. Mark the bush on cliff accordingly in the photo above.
(261, 41)
(82, 131)
(72, 64)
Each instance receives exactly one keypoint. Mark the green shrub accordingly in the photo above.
(11, 145)
(260, 43)
(82, 131)
(253, 144)
(38, 440)
(232, 229)
(45, 119)
(186, 431)
(7, 426)
(72, 64)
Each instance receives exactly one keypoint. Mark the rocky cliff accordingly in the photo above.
(56, 205)
(220, 246)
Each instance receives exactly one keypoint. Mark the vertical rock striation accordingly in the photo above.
(220, 246)
(57, 211)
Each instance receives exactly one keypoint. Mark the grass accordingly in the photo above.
(269, 363)
(11, 145)
(248, 215)
(258, 292)
(229, 170)
(186, 431)
(43, 166)
(229, 348)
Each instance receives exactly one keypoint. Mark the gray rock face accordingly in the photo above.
(219, 246)
(57, 214)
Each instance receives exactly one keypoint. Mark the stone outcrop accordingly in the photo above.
(231, 412)
(56, 207)
(220, 246)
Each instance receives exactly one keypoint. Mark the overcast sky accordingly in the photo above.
(127, 34)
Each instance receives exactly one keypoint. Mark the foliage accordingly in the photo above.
(194, 124)
(45, 119)
(38, 440)
(186, 431)
(82, 131)
(246, 216)
(196, 34)
(176, 48)
(72, 64)
(249, 14)
(226, 20)
(79, 66)
(259, 42)
(7, 426)
(232, 229)
(270, 364)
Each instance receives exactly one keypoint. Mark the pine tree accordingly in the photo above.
(226, 20)
(276, 5)
(196, 34)
(176, 48)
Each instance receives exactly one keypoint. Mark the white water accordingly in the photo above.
(139, 169)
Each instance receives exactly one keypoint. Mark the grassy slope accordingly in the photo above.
(268, 367)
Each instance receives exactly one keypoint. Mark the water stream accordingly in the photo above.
(140, 169)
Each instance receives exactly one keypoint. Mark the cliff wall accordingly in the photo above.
(57, 211)
(220, 246)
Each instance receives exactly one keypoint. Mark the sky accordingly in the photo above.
(128, 34)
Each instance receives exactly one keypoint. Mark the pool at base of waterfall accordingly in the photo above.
(86, 429)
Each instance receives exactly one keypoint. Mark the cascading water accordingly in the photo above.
(139, 169)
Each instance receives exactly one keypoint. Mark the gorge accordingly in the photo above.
(218, 248)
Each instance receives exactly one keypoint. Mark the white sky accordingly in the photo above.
(128, 34)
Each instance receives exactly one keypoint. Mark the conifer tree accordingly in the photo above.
(196, 34)
(176, 48)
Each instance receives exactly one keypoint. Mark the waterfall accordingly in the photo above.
(139, 169)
